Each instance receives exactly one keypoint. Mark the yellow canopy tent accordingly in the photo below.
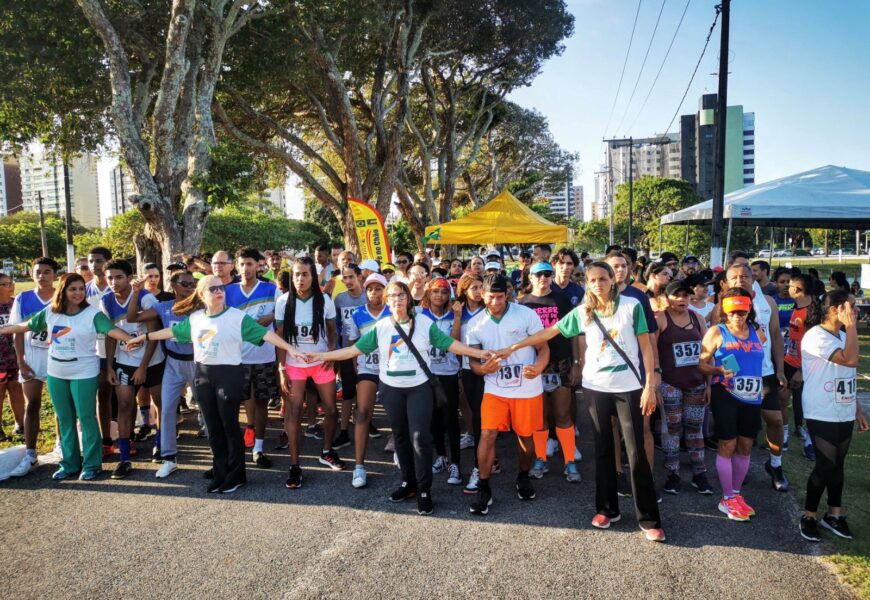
(502, 220)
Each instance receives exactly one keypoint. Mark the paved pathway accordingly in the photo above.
(150, 539)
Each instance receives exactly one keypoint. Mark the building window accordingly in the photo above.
(748, 132)
(748, 181)
(748, 171)
(748, 161)
(749, 152)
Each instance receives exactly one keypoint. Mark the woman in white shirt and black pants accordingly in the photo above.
(217, 333)
(829, 357)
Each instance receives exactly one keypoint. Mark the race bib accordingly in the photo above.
(510, 376)
(40, 339)
(436, 356)
(305, 333)
(747, 388)
(687, 354)
(551, 381)
(844, 390)
(791, 347)
(373, 360)
(5, 320)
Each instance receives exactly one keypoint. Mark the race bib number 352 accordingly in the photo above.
(687, 354)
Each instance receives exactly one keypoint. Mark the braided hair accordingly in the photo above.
(291, 329)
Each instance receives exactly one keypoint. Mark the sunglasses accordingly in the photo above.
(214, 289)
(543, 274)
(738, 313)
(187, 284)
(401, 262)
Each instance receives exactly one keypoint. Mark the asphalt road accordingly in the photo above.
(145, 538)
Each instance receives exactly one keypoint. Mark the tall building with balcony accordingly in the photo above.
(42, 174)
(578, 203)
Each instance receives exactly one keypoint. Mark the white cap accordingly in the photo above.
(492, 252)
(370, 264)
(375, 278)
(492, 265)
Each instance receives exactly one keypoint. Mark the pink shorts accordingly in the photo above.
(317, 373)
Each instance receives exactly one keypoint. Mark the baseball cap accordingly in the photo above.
(370, 264)
(492, 265)
(495, 283)
(176, 266)
(540, 266)
(675, 287)
(388, 267)
(690, 259)
(696, 279)
(375, 278)
(492, 252)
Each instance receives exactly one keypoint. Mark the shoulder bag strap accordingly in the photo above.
(412, 347)
(616, 347)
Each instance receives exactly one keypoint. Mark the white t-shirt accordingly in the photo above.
(704, 312)
(363, 320)
(516, 324)
(442, 362)
(94, 294)
(829, 389)
(605, 370)
(763, 313)
(72, 351)
(256, 304)
(218, 339)
(304, 322)
(117, 312)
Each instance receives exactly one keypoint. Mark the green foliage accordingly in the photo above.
(235, 227)
(118, 237)
(592, 236)
(234, 176)
(315, 212)
(20, 239)
(401, 237)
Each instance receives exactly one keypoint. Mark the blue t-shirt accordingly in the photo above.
(573, 292)
(168, 319)
(785, 306)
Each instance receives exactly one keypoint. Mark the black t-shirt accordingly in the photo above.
(572, 291)
(164, 295)
(550, 309)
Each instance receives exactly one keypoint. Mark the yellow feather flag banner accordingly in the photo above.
(370, 231)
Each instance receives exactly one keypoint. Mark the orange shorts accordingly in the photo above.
(524, 415)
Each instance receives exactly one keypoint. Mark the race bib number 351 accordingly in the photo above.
(747, 388)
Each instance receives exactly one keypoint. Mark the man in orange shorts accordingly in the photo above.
(513, 394)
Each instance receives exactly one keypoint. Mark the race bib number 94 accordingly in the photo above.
(747, 388)
(687, 354)
(510, 376)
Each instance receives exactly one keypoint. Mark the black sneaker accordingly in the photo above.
(403, 492)
(214, 487)
(837, 525)
(283, 441)
(525, 489)
(672, 484)
(341, 440)
(809, 529)
(229, 488)
(374, 432)
(155, 455)
(208, 474)
(481, 504)
(623, 488)
(274, 404)
(330, 459)
(143, 434)
(777, 477)
(496, 467)
(810, 452)
(294, 479)
(700, 483)
(124, 468)
(424, 503)
(314, 431)
(262, 461)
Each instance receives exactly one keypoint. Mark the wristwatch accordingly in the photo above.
(577, 362)
(658, 370)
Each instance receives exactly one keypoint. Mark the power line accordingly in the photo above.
(700, 58)
(625, 62)
(662, 66)
(642, 64)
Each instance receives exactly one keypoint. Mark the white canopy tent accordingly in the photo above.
(827, 197)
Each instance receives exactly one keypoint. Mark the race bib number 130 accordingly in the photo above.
(510, 376)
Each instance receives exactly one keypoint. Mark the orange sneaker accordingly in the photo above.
(601, 521)
(249, 437)
(747, 510)
(654, 535)
(732, 508)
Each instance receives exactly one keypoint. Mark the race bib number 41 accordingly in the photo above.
(687, 354)
(844, 390)
(510, 376)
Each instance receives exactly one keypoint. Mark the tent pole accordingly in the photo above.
(771, 243)
(661, 233)
(728, 238)
(686, 249)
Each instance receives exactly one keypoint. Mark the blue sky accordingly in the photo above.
(800, 65)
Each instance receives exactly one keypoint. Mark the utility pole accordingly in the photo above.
(42, 236)
(716, 259)
(70, 248)
(630, 191)
(610, 193)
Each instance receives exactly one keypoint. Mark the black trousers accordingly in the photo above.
(446, 419)
(220, 392)
(472, 385)
(626, 406)
(410, 413)
(831, 441)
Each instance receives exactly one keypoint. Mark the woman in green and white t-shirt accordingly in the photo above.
(404, 387)
(73, 370)
(217, 333)
(613, 386)
(829, 357)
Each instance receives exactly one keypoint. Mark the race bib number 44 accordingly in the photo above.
(510, 376)
(687, 354)
(747, 388)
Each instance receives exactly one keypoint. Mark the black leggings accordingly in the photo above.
(797, 404)
(472, 385)
(410, 413)
(220, 392)
(831, 441)
(446, 419)
(625, 406)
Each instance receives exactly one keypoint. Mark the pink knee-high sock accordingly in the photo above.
(723, 469)
(739, 468)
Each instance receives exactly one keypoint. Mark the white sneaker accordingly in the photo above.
(391, 445)
(466, 441)
(359, 477)
(58, 451)
(439, 465)
(166, 469)
(473, 482)
(577, 454)
(552, 447)
(454, 477)
(24, 467)
(396, 460)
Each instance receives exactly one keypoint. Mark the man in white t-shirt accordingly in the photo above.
(513, 394)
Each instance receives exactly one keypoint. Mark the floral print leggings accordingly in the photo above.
(683, 418)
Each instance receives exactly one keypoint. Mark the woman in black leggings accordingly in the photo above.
(829, 357)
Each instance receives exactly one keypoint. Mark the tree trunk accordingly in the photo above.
(147, 251)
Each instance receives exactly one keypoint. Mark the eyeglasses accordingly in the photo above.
(214, 289)
(543, 274)
(399, 296)
(402, 262)
(187, 284)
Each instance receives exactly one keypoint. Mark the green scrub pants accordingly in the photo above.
(76, 399)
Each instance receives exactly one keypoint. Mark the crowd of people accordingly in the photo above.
(665, 354)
